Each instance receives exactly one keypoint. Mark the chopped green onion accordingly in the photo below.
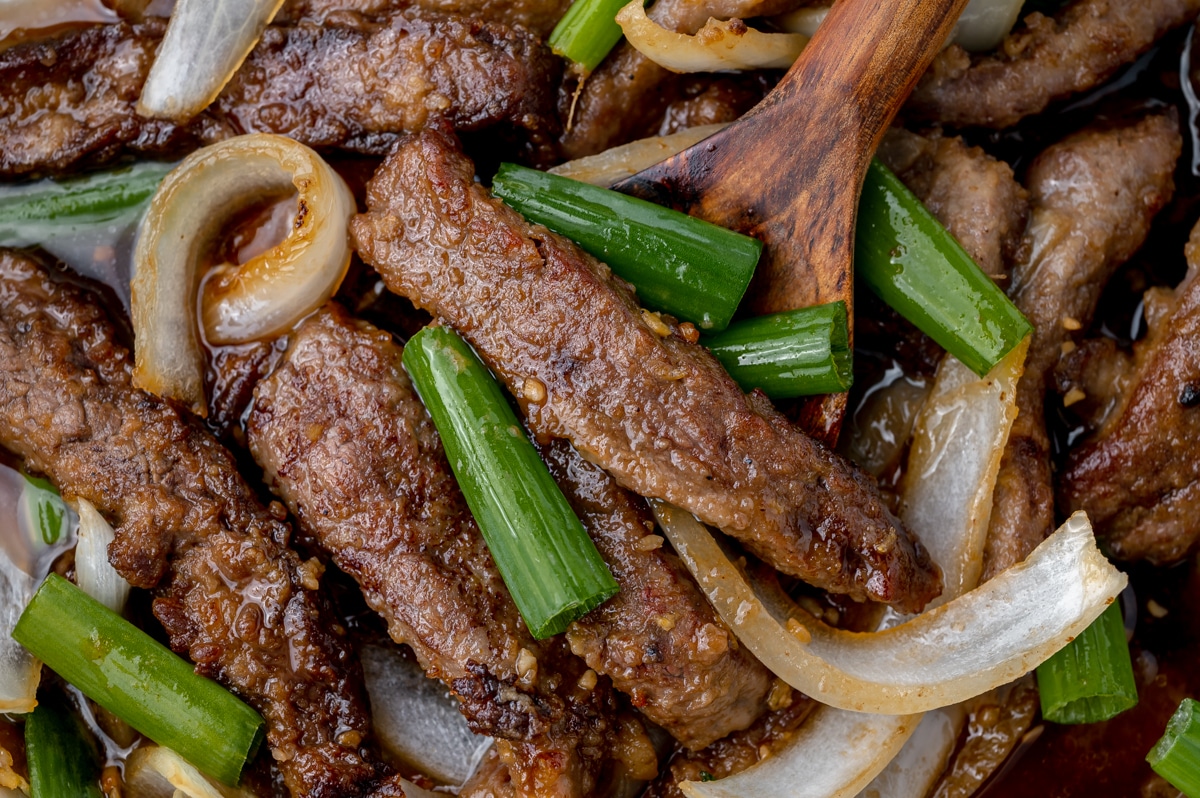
(551, 566)
(587, 32)
(906, 257)
(46, 513)
(800, 352)
(694, 270)
(139, 680)
(1176, 757)
(33, 213)
(61, 762)
(1092, 678)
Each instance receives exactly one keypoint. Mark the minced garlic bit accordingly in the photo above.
(1068, 347)
(534, 390)
(764, 751)
(310, 572)
(655, 323)
(1071, 323)
(527, 666)
(350, 739)
(649, 543)
(587, 682)
(665, 622)
(780, 695)
(1074, 395)
(1155, 609)
(799, 630)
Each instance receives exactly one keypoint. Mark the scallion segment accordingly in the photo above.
(33, 213)
(61, 763)
(801, 352)
(694, 270)
(1176, 757)
(906, 257)
(1092, 678)
(587, 32)
(139, 680)
(547, 560)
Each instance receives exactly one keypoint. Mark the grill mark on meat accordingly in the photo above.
(1044, 60)
(659, 414)
(229, 592)
(1138, 478)
(344, 440)
(355, 86)
(1093, 197)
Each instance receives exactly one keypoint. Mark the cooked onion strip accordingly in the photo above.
(155, 771)
(205, 43)
(923, 758)
(978, 641)
(93, 572)
(258, 299)
(717, 46)
(617, 163)
(985, 23)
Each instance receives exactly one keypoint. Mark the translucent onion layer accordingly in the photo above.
(93, 572)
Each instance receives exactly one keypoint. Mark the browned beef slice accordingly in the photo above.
(345, 441)
(628, 390)
(1138, 478)
(229, 592)
(353, 86)
(539, 16)
(1093, 197)
(1043, 60)
(659, 639)
(710, 100)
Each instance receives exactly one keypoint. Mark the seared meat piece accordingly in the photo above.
(1093, 197)
(625, 94)
(711, 100)
(627, 388)
(228, 591)
(539, 16)
(343, 438)
(354, 86)
(659, 639)
(1139, 478)
(1045, 60)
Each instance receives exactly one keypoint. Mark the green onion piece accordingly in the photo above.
(906, 257)
(800, 352)
(1176, 757)
(546, 558)
(46, 514)
(33, 213)
(689, 268)
(587, 32)
(1092, 678)
(61, 762)
(139, 680)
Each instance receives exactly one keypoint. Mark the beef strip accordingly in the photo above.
(1093, 197)
(628, 92)
(709, 100)
(357, 86)
(659, 639)
(228, 591)
(627, 387)
(538, 16)
(1043, 60)
(1138, 478)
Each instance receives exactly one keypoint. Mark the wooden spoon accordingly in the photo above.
(790, 171)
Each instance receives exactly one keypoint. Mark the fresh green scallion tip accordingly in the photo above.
(1092, 678)
(547, 560)
(61, 762)
(33, 213)
(801, 352)
(686, 267)
(587, 32)
(139, 680)
(1176, 757)
(906, 257)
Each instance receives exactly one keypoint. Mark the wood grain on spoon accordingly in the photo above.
(790, 171)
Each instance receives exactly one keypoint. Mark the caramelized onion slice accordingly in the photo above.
(617, 163)
(205, 43)
(717, 46)
(259, 299)
(978, 641)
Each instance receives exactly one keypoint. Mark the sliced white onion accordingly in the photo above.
(205, 43)
(978, 641)
(617, 163)
(156, 772)
(985, 23)
(416, 720)
(914, 771)
(804, 21)
(717, 46)
(258, 299)
(93, 572)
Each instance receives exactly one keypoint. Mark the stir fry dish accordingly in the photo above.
(400, 399)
